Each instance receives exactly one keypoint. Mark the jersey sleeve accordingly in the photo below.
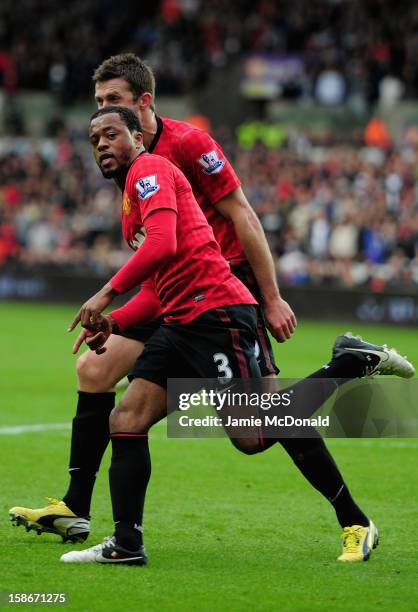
(159, 245)
(151, 185)
(204, 162)
(143, 307)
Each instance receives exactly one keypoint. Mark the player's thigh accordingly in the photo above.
(226, 351)
(100, 373)
(161, 359)
(143, 404)
(221, 344)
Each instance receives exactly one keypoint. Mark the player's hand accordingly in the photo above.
(280, 319)
(91, 310)
(97, 337)
(82, 336)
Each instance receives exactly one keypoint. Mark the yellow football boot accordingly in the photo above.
(358, 542)
(56, 518)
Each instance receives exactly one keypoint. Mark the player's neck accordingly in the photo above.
(149, 126)
(120, 178)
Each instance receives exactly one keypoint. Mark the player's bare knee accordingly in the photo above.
(248, 446)
(83, 369)
(125, 417)
(92, 376)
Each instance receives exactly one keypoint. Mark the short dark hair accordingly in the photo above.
(127, 115)
(130, 67)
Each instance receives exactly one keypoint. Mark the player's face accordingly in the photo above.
(115, 92)
(114, 146)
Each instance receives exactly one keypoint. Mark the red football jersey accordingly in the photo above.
(197, 278)
(210, 174)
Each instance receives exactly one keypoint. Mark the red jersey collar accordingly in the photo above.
(157, 134)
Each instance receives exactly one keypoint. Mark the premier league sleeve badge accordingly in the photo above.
(210, 162)
(147, 186)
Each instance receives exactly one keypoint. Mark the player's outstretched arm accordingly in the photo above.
(158, 247)
(280, 318)
(143, 307)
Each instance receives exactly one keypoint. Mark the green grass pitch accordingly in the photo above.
(223, 531)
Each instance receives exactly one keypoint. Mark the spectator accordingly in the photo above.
(338, 214)
(364, 49)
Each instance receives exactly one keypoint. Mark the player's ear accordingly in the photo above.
(138, 139)
(144, 101)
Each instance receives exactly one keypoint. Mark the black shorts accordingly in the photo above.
(143, 332)
(263, 348)
(217, 344)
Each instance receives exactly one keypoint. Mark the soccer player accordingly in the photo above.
(127, 80)
(207, 312)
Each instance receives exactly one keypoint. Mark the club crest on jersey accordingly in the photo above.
(138, 239)
(211, 163)
(147, 186)
(126, 206)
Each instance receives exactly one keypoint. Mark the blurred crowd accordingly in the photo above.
(56, 210)
(350, 49)
(334, 214)
(338, 214)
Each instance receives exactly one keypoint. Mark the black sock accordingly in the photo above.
(347, 511)
(315, 462)
(308, 395)
(90, 437)
(129, 473)
(344, 367)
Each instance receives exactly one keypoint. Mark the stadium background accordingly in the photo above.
(315, 103)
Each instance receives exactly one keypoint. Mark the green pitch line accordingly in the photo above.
(224, 531)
